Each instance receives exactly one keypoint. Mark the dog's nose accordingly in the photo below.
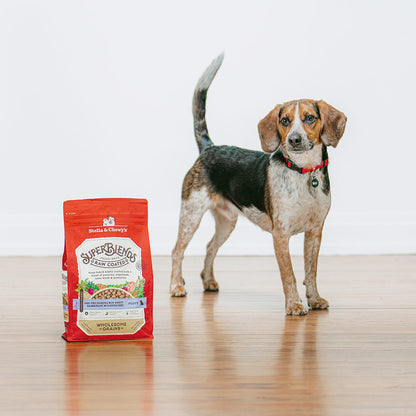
(295, 139)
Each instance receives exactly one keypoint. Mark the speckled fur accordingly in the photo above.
(230, 181)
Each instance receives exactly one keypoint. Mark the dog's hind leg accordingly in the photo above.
(224, 225)
(192, 210)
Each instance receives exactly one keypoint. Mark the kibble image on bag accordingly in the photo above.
(107, 277)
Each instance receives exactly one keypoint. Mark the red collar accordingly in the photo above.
(297, 168)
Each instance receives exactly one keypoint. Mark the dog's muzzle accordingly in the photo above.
(297, 144)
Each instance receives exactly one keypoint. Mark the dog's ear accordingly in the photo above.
(333, 123)
(268, 132)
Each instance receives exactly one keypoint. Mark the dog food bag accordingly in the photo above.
(107, 277)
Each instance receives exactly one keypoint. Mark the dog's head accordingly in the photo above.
(297, 126)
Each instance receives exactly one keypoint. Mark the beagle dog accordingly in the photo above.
(284, 190)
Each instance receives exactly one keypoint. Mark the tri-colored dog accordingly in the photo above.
(284, 190)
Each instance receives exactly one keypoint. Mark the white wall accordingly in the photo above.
(95, 101)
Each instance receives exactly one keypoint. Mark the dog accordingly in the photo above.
(285, 189)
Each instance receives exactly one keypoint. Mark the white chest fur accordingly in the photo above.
(297, 206)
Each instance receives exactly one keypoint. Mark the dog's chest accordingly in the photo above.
(296, 205)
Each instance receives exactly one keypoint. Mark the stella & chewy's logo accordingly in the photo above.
(109, 255)
(108, 222)
(108, 227)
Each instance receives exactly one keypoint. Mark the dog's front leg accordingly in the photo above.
(311, 250)
(294, 304)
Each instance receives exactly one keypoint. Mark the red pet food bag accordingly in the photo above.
(107, 277)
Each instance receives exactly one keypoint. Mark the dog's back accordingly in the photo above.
(236, 174)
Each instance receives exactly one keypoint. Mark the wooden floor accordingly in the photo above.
(232, 352)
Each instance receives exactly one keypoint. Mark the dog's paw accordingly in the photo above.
(209, 282)
(296, 308)
(177, 291)
(211, 286)
(318, 303)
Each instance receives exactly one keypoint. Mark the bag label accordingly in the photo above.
(110, 286)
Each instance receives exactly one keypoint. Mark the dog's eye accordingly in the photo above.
(285, 121)
(309, 119)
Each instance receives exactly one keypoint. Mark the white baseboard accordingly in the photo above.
(346, 233)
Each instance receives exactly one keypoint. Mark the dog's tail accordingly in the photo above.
(198, 105)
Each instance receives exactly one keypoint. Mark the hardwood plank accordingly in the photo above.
(231, 352)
